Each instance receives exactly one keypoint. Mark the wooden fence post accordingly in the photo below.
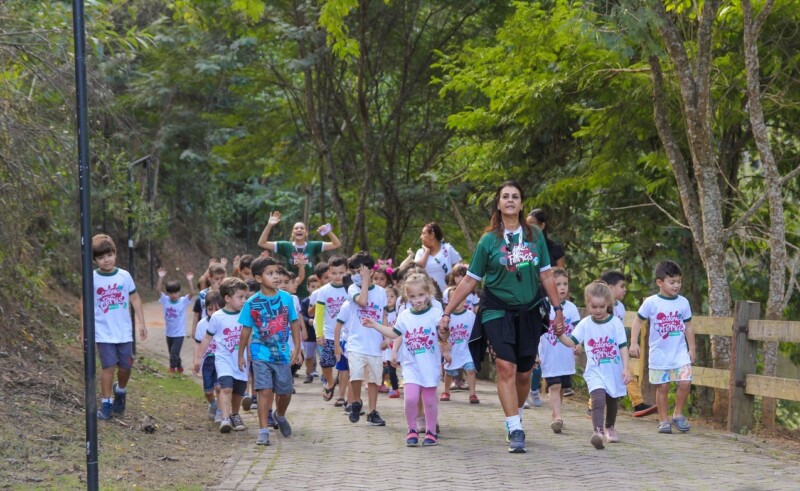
(741, 406)
(648, 391)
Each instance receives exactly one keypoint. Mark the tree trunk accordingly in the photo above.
(777, 231)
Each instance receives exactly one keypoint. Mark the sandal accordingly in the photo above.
(412, 438)
(665, 427)
(681, 424)
(445, 396)
(339, 402)
(327, 394)
(557, 426)
(473, 399)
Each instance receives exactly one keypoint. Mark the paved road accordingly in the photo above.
(326, 451)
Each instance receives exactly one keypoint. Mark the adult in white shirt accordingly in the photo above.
(435, 255)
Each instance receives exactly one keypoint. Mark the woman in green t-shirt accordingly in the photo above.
(298, 246)
(512, 260)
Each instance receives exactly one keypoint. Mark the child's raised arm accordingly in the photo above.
(160, 283)
(189, 279)
(366, 280)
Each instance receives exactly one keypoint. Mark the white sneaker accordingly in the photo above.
(534, 398)
(225, 426)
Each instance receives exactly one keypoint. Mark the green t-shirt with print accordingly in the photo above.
(499, 260)
(311, 250)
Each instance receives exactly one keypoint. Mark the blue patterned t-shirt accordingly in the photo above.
(270, 318)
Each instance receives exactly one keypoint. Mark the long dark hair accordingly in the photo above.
(496, 225)
(540, 216)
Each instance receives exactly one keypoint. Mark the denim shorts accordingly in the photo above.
(468, 367)
(564, 380)
(272, 376)
(227, 382)
(209, 374)
(115, 354)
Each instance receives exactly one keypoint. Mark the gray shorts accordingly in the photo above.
(272, 376)
(310, 349)
(115, 354)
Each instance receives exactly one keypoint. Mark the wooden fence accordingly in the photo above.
(746, 330)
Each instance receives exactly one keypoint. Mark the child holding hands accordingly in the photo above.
(603, 338)
(422, 348)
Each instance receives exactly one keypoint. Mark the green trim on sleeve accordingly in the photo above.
(687, 320)
(640, 316)
(624, 345)
(397, 332)
(574, 340)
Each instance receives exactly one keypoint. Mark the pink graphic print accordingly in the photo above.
(603, 350)
(170, 313)
(458, 333)
(111, 298)
(371, 311)
(419, 340)
(333, 305)
(517, 255)
(273, 326)
(230, 338)
(670, 324)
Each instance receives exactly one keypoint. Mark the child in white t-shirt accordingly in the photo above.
(421, 350)
(208, 366)
(603, 338)
(389, 370)
(556, 359)
(363, 344)
(329, 300)
(224, 329)
(672, 348)
(461, 322)
(174, 315)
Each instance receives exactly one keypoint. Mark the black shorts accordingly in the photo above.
(493, 331)
(564, 380)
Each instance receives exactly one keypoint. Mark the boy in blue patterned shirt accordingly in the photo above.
(268, 318)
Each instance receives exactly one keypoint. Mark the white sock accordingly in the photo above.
(119, 390)
(520, 412)
(535, 392)
(513, 423)
(108, 400)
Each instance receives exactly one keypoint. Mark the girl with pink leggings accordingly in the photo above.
(420, 346)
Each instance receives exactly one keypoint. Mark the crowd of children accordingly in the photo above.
(366, 324)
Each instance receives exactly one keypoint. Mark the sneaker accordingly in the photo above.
(212, 410)
(611, 435)
(374, 419)
(271, 420)
(105, 411)
(665, 427)
(355, 411)
(308, 379)
(348, 408)
(247, 401)
(237, 422)
(383, 389)
(179, 369)
(568, 392)
(263, 438)
(643, 410)
(225, 426)
(314, 373)
(430, 440)
(218, 417)
(597, 439)
(557, 426)
(394, 394)
(254, 404)
(118, 406)
(285, 427)
(535, 399)
(412, 438)
(681, 424)
(516, 442)
(445, 396)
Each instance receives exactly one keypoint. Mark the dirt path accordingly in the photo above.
(472, 452)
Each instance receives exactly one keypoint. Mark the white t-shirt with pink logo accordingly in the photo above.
(557, 359)
(199, 334)
(112, 316)
(360, 339)
(460, 330)
(420, 354)
(331, 298)
(602, 342)
(175, 315)
(226, 329)
(667, 318)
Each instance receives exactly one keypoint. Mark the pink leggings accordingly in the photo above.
(430, 404)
